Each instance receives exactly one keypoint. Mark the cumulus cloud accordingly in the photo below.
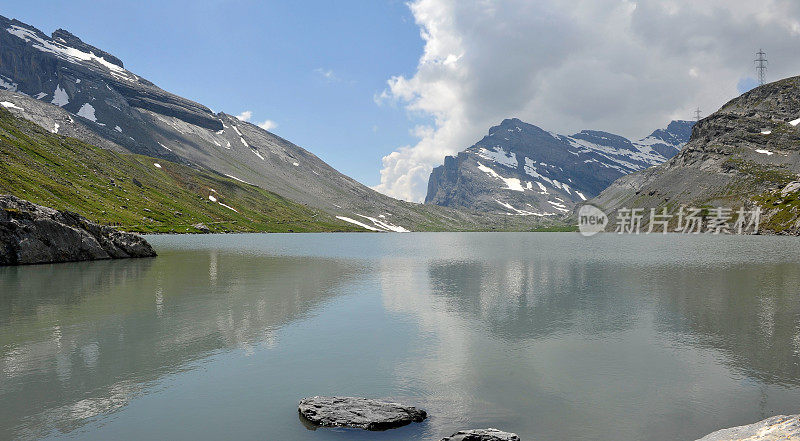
(267, 124)
(247, 115)
(622, 66)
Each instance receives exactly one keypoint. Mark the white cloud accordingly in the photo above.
(267, 124)
(245, 116)
(623, 66)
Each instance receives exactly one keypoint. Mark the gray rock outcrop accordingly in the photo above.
(359, 413)
(482, 435)
(31, 233)
(781, 427)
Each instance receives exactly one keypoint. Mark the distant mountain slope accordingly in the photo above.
(519, 168)
(137, 192)
(745, 154)
(114, 108)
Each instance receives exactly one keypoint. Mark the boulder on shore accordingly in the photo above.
(781, 427)
(482, 435)
(31, 233)
(359, 413)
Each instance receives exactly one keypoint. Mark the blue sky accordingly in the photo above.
(312, 67)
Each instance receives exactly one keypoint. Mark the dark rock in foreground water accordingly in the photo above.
(781, 427)
(31, 233)
(482, 435)
(360, 413)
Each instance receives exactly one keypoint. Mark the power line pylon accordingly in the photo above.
(761, 66)
(697, 114)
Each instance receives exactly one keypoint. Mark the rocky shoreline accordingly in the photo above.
(369, 414)
(31, 234)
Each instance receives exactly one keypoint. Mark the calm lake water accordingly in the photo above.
(553, 336)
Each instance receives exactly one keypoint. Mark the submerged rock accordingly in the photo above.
(781, 427)
(482, 435)
(31, 233)
(360, 413)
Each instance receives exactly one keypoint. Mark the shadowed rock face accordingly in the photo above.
(359, 413)
(31, 233)
(781, 427)
(482, 435)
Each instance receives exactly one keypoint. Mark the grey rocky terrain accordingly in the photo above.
(521, 169)
(482, 435)
(73, 88)
(777, 428)
(359, 413)
(747, 154)
(31, 233)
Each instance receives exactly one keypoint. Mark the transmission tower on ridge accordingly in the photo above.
(697, 114)
(761, 67)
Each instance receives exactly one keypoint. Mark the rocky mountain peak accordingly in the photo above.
(510, 124)
(679, 127)
(521, 169)
(68, 39)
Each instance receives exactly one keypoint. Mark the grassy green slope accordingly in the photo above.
(131, 192)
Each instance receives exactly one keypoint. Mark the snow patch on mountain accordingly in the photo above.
(60, 97)
(87, 111)
(360, 224)
(10, 105)
(384, 224)
(499, 156)
(511, 183)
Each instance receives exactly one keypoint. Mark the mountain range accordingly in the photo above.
(72, 88)
(174, 162)
(521, 169)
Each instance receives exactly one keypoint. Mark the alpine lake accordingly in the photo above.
(554, 336)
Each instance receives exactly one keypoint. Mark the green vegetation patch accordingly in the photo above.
(131, 192)
(761, 174)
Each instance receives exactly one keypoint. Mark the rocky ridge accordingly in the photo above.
(747, 154)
